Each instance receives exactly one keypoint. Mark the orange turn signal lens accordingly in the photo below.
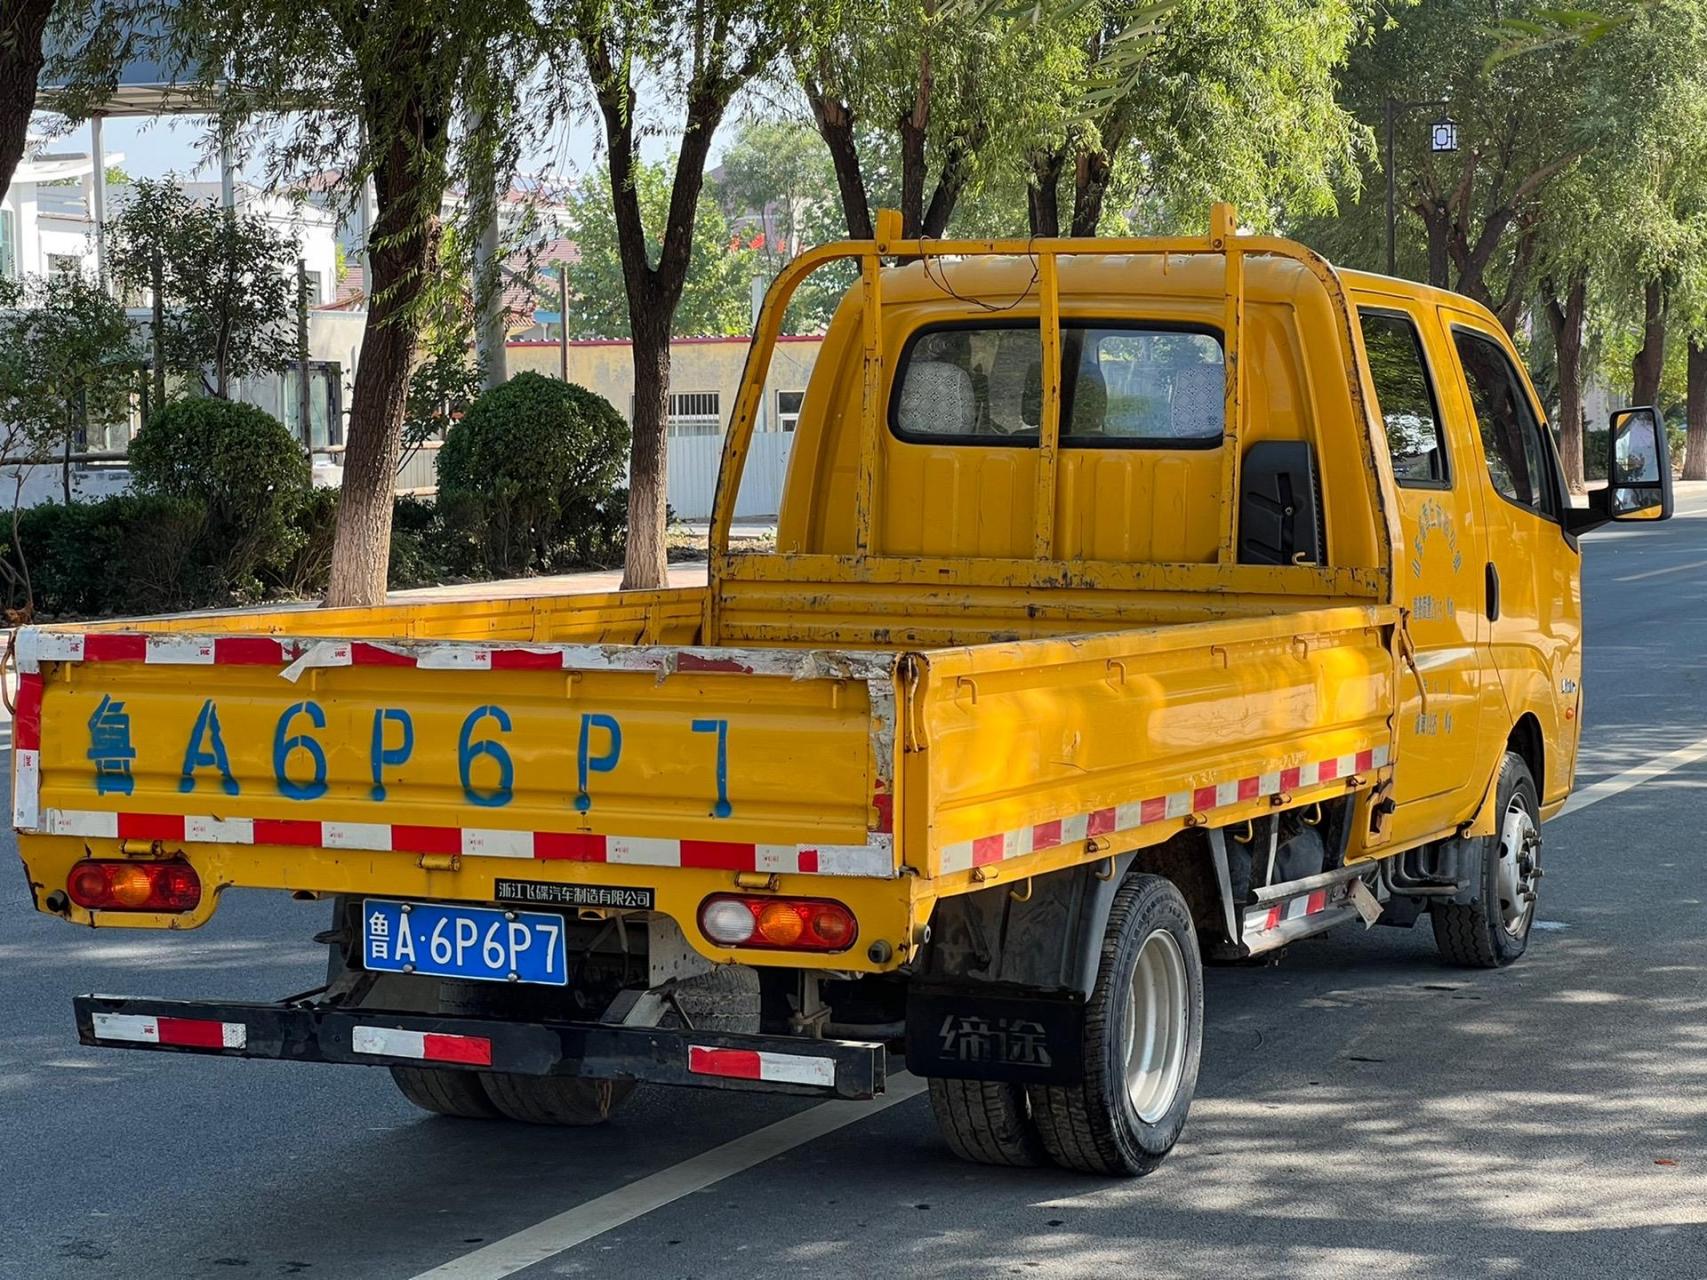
(781, 924)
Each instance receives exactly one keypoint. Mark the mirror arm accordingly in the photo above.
(1580, 520)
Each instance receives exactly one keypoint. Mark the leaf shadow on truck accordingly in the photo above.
(1134, 603)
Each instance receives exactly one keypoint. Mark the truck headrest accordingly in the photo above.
(937, 399)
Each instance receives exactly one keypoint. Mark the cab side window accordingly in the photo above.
(1511, 437)
(1405, 397)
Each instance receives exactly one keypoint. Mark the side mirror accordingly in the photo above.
(1638, 466)
(1638, 473)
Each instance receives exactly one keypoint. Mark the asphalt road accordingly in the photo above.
(1362, 1110)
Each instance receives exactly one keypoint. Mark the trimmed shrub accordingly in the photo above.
(131, 554)
(243, 466)
(417, 545)
(314, 525)
(529, 479)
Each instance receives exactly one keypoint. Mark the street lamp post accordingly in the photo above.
(1443, 137)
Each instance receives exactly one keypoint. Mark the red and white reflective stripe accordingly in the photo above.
(427, 1046)
(1075, 828)
(1296, 908)
(37, 645)
(874, 859)
(756, 1064)
(190, 1033)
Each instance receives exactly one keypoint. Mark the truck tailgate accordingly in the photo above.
(661, 756)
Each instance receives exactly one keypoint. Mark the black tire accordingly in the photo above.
(987, 1122)
(555, 1099)
(445, 1093)
(1095, 1125)
(1480, 934)
(724, 999)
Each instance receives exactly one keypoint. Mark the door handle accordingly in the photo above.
(1493, 593)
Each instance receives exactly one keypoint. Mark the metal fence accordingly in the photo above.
(693, 475)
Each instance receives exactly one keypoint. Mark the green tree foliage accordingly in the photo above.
(717, 292)
(921, 101)
(242, 465)
(1163, 107)
(702, 55)
(226, 283)
(532, 474)
(778, 181)
(68, 363)
(1478, 209)
(1218, 102)
(399, 91)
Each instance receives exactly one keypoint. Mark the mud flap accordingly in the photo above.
(992, 1031)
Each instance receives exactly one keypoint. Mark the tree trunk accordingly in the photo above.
(1043, 196)
(1566, 322)
(1695, 455)
(1091, 175)
(836, 127)
(1439, 269)
(1437, 228)
(222, 336)
(1649, 362)
(157, 286)
(647, 561)
(22, 25)
(402, 255)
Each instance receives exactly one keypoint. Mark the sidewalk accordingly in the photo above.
(691, 573)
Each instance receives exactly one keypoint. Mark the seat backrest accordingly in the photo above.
(1197, 409)
(938, 393)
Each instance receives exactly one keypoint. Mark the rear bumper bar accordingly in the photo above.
(367, 1037)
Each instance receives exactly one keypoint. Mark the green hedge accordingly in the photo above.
(137, 553)
(224, 514)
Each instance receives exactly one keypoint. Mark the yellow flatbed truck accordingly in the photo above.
(1133, 602)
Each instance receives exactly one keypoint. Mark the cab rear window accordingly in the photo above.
(1124, 386)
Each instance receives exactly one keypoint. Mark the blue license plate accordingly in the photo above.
(464, 942)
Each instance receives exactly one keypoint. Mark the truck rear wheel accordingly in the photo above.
(987, 1122)
(1143, 1040)
(1493, 931)
(555, 1099)
(444, 1093)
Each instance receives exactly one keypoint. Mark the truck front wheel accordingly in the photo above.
(1143, 1040)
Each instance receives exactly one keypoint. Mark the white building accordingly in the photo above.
(47, 224)
(44, 216)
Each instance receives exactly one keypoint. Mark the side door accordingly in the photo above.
(1533, 571)
(1438, 569)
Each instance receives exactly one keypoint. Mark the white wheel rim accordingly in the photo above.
(1514, 873)
(1154, 1027)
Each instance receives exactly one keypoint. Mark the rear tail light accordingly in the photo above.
(777, 924)
(134, 886)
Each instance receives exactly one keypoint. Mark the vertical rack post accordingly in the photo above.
(1223, 235)
(1049, 429)
(871, 389)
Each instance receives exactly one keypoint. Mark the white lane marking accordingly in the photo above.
(1655, 573)
(1619, 783)
(543, 1240)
